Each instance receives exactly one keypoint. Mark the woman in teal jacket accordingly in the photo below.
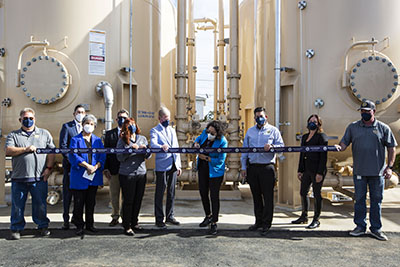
(211, 168)
(86, 174)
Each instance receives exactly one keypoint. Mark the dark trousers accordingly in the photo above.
(261, 178)
(67, 195)
(84, 199)
(132, 192)
(209, 186)
(165, 180)
(306, 181)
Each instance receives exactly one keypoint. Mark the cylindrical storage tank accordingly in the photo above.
(316, 36)
(88, 42)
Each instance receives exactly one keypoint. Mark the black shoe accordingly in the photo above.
(129, 232)
(15, 235)
(254, 227)
(265, 230)
(79, 232)
(92, 229)
(65, 226)
(161, 225)
(172, 221)
(314, 224)
(205, 222)
(213, 229)
(113, 222)
(137, 227)
(301, 220)
(44, 232)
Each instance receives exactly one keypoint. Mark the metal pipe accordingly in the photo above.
(104, 89)
(130, 56)
(215, 70)
(221, 62)
(181, 76)
(233, 96)
(190, 50)
(346, 59)
(205, 20)
(277, 61)
(45, 44)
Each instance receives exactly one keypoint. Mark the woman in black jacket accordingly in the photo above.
(312, 170)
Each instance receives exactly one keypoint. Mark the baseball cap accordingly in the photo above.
(367, 105)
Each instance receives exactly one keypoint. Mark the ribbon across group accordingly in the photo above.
(187, 150)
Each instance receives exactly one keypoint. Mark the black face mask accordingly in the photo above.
(366, 116)
(312, 126)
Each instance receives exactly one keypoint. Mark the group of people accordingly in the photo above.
(83, 172)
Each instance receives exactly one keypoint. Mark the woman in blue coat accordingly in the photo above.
(211, 169)
(86, 174)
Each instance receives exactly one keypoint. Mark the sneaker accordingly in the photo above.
(213, 229)
(129, 232)
(172, 221)
(205, 222)
(44, 232)
(358, 231)
(15, 235)
(379, 235)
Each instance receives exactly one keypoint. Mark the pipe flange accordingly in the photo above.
(233, 76)
(99, 87)
(181, 75)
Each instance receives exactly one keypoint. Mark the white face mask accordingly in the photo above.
(79, 117)
(211, 137)
(88, 128)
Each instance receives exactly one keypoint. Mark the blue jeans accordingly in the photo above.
(376, 186)
(19, 193)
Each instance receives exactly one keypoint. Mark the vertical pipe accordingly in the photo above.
(130, 56)
(234, 97)
(221, 63)
(181, 76)
(277, 61)
(215, 70)
(190, 52)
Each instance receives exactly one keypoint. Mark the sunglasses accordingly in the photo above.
(28, 118)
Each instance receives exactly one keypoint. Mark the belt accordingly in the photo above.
(260, 164)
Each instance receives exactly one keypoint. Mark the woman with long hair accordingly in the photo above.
(312, 170)
(132, 174)
(211, 169)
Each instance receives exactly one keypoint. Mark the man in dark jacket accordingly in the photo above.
(111, 167)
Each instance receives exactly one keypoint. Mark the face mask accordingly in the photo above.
(121, 121)
(79, 117)
(165, 123)
(211, 137)
(132, 128)
(366, 116)
(88, 128)
(312, 126)
(260, 120)
(27, 122)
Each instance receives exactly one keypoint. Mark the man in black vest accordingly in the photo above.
(111, 167)
(69, 130)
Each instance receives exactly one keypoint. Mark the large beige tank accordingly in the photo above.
(54, 80)
(315, 82)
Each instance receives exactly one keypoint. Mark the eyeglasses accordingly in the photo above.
(28, 118)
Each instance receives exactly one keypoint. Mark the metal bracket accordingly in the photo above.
(2, 52)
(6, 102)
(233, 76)
(181, 75)
(302, 5)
